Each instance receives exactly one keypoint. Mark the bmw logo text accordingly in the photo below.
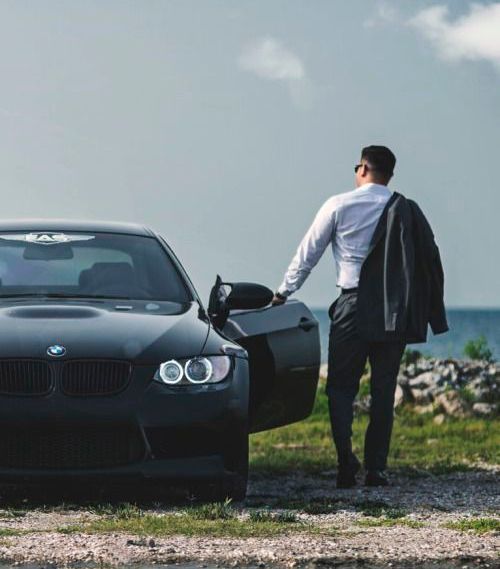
(56, 350)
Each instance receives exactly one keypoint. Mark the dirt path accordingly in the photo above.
(403, 525)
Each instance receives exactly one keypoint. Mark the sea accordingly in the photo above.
(465, 324)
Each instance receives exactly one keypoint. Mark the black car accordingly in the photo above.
(111, 365)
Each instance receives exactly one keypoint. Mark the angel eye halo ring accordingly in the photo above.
(194, 371)
(198, 370)
(171, 372)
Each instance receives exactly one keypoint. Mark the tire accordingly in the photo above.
(233, 486)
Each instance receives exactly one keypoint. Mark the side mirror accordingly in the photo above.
(248, 295)
(241, 295)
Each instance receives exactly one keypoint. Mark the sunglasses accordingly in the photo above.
(358, 166)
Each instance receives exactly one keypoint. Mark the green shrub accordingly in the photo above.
(478, 349)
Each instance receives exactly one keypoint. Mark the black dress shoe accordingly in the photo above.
(376, 478)
(346, 474)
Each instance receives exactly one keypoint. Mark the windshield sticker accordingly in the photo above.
(45, 238)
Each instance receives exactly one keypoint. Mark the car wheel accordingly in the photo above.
(233, 485)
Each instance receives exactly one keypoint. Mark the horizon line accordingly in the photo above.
(465, 307)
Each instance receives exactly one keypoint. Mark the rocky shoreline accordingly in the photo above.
(445, 387)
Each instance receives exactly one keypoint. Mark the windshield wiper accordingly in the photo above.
(63, 295)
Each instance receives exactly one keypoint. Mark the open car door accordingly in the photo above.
(284, 358)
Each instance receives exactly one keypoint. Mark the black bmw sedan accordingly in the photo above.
(112, 366)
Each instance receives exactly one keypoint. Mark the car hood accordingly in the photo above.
(143, 332)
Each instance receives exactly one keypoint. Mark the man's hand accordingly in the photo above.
(278, 300)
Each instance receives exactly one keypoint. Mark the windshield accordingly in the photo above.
(101, 265)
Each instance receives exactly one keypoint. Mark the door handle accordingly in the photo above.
(307, 324)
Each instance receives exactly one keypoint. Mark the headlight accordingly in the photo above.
(171, 372)
(198, 370)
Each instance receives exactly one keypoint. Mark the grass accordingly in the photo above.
(390, 522)
(7, 532)
(312, 505)
(307, 446)
(121, 510)
(221, 520)
(213, 511)
(319, 507)
(276, 517)
(171, 524)
(215, 520)
(377, 509)
(479, 525)
(8, 514)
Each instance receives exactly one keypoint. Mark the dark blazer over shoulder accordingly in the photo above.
(400, 289)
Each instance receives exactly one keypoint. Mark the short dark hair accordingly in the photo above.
(381, 159)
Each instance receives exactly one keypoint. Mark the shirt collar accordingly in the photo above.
(373, 186)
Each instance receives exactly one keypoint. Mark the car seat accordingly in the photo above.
(117, 279)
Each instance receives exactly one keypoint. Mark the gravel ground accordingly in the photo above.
(432, 501)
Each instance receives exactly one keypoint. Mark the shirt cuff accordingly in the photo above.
(283, 292)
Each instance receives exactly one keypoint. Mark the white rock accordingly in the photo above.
(439, 419)
(484, 409)
(423, 380)
(421, 396)
(452, 404)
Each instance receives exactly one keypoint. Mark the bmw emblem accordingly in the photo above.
(56, 351)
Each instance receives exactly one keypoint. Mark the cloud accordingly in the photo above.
(269, 59)
(474, 36)
(385, 13)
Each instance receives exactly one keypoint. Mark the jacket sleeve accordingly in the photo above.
(310, 249)
(437, 315)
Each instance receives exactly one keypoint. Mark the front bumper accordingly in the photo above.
(149, 430)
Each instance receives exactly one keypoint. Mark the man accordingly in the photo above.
(391, 280)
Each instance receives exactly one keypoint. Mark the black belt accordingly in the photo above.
(347, 290)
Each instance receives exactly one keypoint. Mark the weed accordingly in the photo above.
(390, 522)
(377, 509)
(480, 525)
(213, 511)
(277, 517)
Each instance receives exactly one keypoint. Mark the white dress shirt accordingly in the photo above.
(347, 221)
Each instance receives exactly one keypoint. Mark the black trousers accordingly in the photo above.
(347, 355)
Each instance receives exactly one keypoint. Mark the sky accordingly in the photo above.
(225, 125)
